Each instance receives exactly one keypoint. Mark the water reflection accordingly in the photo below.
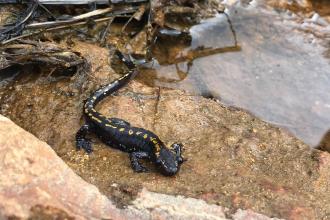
(279, 75)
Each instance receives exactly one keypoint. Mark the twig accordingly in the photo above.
(72, 2)
(72, 20)
(202, 52)
(78, 18)
(105, 32)
(52, 29)
(156, 107)
(46, 10)
(137, 15)
(151, 38)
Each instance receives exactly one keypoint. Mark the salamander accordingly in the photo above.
(117, 133)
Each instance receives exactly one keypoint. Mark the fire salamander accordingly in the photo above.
(138, 142)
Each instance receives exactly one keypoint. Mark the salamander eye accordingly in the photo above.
(181, 159)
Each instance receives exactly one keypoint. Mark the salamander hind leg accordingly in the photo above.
(82, 141)
(135, 163)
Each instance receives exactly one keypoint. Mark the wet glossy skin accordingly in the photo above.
(117, 133)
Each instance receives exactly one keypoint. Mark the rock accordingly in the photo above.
(164, 207)
(249, 215)
(36, 182)
(159, 206)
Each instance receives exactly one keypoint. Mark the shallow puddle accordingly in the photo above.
(278, 73)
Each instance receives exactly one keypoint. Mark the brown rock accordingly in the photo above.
(35, 182)
(249, 215)
(160, 206)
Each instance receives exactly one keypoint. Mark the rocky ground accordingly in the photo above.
(238, 165)
(42, 186)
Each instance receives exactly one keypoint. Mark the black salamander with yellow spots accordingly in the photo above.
(117, 133)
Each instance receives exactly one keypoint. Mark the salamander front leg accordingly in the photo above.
(135, 163)
(82, 141)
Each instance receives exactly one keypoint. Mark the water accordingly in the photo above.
(278, 73)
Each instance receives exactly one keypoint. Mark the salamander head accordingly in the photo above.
(170, 160)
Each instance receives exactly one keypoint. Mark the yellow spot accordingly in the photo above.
(94, 97)
(93, 110)
(153, 140)
(86, 110)
(130, 132)
(96, 119)
(109, 125)
(122, 129)
(90, 115)
(145, 136)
